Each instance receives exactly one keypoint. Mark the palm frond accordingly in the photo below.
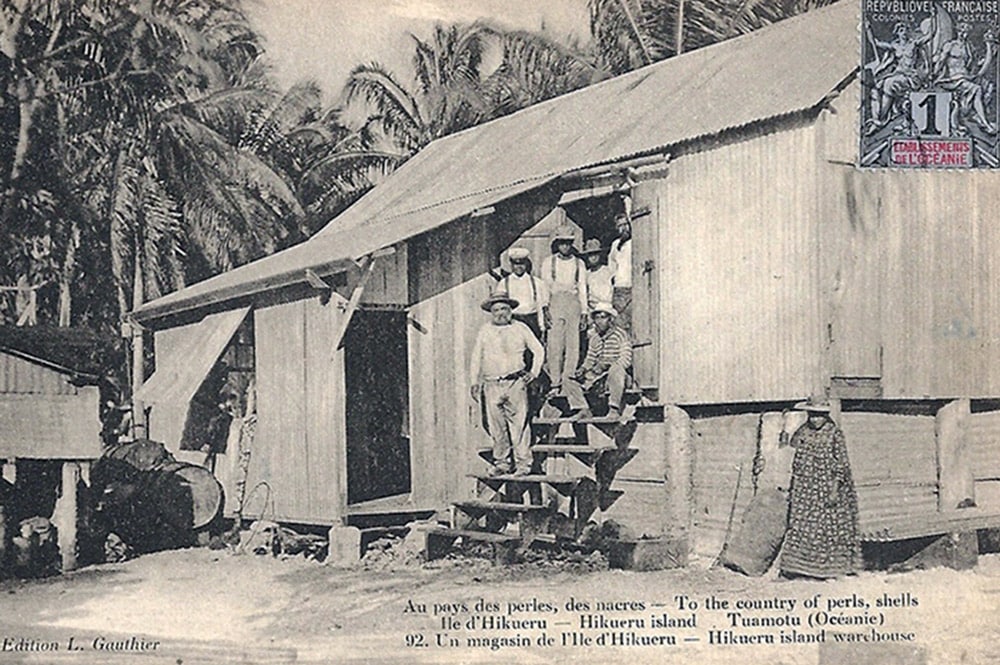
(400, 115)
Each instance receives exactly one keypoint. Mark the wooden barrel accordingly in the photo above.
(187, 496)
(151, 500)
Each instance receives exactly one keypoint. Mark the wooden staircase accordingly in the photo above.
(568, 487)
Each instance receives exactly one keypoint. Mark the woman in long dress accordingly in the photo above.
(822, 540)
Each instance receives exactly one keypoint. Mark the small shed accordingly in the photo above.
(50, 424)
(767, 268)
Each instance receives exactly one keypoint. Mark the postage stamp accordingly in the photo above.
(929, 84)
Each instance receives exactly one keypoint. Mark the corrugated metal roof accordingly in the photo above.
(789, 67)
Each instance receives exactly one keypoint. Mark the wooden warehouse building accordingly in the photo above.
(768, 269)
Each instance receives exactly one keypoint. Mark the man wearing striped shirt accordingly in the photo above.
(606, 367)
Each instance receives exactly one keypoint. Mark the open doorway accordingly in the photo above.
(377, 383)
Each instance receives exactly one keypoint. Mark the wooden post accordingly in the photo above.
(954, 465)
(6, 494)
(10, 470)
(139, 428)
(65, 515)
(679, 488)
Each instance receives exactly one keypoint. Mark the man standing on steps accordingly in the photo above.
(565, 276)
(606, 367)
(530, 291)
(620, 261)
(499, 382)
(533, 311)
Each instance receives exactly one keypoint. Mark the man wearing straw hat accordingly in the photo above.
(530, 291)
(599, 274)
(565, 277)
(606, 367)
(499, 381)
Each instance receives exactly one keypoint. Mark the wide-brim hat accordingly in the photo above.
(499, 297)
(605, 308)
(813, 405)
(592, 246)
(563, 232)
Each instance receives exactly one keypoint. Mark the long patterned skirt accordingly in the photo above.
(822, 538)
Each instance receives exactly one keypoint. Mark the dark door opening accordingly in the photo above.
(377, 383)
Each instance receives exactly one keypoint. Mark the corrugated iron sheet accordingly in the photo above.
(983, 431)
(20, 376)
(892, 461)
(701, 93)
(724, 448)
(738, 273)
(911, 260)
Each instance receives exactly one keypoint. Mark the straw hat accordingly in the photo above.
(499, 297)
(814, 405)
(592, 246)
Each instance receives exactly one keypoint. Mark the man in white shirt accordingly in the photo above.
(620, 261)
(565, 276)
(599, 275)
(499, 381)
(530, 291)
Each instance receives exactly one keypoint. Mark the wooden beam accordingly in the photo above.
(9, 470)
(956, 484)
(352, 306)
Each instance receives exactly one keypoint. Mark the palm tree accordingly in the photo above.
(328, 164)
(153, 157)
(534, 68)
(447, 95)
(633, 33)
(451, 90)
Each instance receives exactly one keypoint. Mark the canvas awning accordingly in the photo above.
(186, 355)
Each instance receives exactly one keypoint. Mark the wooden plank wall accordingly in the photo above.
(300, 440)
(911, 263)
(27, 378)
(388, 283)
(51, 426)
(445, 425)
(737, 272)
(645, 285)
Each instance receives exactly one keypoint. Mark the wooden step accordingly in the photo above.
(532, 478)
(472, 534)
(497, 506)
(596, 420)
(569, 448)
(439, 541)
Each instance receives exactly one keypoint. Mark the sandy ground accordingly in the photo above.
(204, 606)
